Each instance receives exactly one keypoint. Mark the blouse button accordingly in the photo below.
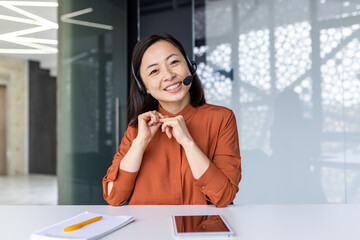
(203, 187)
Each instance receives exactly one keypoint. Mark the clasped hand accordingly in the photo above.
(150, 122)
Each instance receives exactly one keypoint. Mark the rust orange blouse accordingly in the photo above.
(165, 176)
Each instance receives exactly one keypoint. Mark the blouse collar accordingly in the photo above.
(186, 112)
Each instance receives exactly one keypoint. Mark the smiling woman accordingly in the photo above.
(177, 149)
(163, 69)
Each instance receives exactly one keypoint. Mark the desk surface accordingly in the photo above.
(265, 222)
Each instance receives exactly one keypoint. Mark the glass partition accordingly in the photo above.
(92, 90)
(290, 72)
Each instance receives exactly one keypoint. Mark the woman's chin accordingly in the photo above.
(179, 97)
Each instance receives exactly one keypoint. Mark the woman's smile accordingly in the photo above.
(174, 87)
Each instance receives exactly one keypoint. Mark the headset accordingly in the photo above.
(192, 67)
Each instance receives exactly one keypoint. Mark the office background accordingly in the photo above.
(289, 70)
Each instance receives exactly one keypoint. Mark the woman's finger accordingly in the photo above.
(165, 125)
(168, 132)
(155, 114)
(151, 117)
(172, 119)
(162, 116)
(152, 120)
(155, 118)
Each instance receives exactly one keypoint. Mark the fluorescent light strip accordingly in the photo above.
(31, 4)
(22, 51)
(26, 31)
(34, 45)
(67, 18)
(77, 13)
(20, 20)
(89, 24)
(31, 40)
(30, 15)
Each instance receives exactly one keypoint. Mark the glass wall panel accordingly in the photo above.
(290, 72)
(350, 74)
(93, 95)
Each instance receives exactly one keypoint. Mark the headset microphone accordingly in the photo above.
(188, 80)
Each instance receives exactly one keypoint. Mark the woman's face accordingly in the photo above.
(163, 69)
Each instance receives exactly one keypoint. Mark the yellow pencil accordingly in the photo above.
(79, 225)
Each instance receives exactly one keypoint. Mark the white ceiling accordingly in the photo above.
(40, 43)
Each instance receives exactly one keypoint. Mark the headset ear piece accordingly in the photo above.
(138, 82)
(193, 67)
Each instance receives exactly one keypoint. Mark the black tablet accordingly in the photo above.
(202, 226)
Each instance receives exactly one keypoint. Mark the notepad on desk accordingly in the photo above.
(92, 231)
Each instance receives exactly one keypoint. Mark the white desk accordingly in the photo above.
(250, 222)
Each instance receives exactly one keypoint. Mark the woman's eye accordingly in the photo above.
(175, 61)
(153, 71)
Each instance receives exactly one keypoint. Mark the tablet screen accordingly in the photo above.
(201, 225)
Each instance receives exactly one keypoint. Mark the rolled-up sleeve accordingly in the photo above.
(123, 181)
(220, 181)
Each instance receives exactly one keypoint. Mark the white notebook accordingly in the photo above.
(91, 231)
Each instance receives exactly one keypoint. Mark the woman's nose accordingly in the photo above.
(168, 74)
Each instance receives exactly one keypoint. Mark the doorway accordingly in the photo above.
(2, 130)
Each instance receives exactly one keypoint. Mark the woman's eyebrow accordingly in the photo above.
(171, 55)
(151, 65)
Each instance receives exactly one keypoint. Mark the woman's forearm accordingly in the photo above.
(133, 158)
(131, 162)
(198, 161)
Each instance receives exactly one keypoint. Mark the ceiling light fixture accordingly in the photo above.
(20, 20)
(28, 14)
(31, 3)
(34, 40)
(22, 51)
(26, 31)
(77, 13)
(67, 18)
(35, 44)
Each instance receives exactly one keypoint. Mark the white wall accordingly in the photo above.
(295, 91)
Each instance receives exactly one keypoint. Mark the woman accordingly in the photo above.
(177, 149)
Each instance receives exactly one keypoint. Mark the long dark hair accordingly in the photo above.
(141, 102)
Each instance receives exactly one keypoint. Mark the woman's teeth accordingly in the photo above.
(172, 87)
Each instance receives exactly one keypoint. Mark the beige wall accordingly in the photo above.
(13, 74)
(2, 130)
